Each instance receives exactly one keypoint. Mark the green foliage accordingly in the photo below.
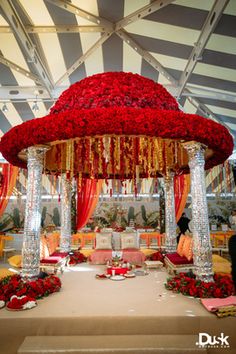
(162, 210)
(144, 214)
(56, 217)
(73, 212)
(16, 220)
(43, 216)
(131, 215)
(5, 221)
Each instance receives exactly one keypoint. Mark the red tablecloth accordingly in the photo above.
(118, 270)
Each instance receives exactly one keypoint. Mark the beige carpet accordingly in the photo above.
(87, 306)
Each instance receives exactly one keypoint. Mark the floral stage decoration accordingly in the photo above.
(18, 294)
(116, 125)
(187, 284)
(76, 258)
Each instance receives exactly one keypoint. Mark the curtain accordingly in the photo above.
(87, 198)
(181, 187)
(8, 182)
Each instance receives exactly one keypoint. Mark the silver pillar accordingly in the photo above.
(32, 225)
(202, 252)
(170, 222)
(65, 239)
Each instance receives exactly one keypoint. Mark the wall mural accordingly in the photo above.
(117, 214)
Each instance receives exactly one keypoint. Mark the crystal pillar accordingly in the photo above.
(202, 252)
(65, 239)
(170, 223)
(32, 225)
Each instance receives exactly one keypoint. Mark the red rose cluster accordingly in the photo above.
(77, 258)
(189, 285)
(17, 303)
(14, 285)
(115, 89)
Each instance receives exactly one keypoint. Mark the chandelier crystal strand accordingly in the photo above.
(32, 225)
(65, 239)
(170, 223)
(202, 251)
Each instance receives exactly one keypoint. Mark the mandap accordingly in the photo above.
(122, 126)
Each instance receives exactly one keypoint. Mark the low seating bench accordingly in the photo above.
(56, 262)
(175, 263)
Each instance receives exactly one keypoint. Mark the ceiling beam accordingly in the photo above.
(14, 93)
(68, 6)
(207, 29)
(57, 29)
(203, 92)
(19, 69)
(146, 55)
(27, 46)
(64, 29)
(83, 57)
(158, 66)
(206, 112)
(142, 12)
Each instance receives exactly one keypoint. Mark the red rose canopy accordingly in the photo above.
(115, 125)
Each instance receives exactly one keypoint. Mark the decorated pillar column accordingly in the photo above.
(170, 223)
(202, 252)
(32, 225)
(65, 239)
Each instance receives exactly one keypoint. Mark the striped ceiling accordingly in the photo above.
(188, 46)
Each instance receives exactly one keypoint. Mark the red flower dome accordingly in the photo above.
(115, 89)
(117, 104)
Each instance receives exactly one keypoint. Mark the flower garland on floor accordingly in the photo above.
(77, 258)
(14, 290)
(187, 284)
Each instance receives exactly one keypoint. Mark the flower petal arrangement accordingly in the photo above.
(187, 284)
(18, 303)
(117, 125)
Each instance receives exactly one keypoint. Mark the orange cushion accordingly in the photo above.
(44, 252)
(188, 248)
(180, 245)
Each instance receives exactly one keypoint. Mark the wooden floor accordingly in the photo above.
(86, 306)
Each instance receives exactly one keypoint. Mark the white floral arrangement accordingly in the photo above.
(2, 304)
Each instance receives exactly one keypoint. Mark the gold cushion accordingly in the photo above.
(15, 261)
(86, 252)
(219, 259)
(147, 251)
(220, 264)
(4, 272)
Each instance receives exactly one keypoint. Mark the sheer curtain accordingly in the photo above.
(87, 198)
(181, 187)
(9, 174)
